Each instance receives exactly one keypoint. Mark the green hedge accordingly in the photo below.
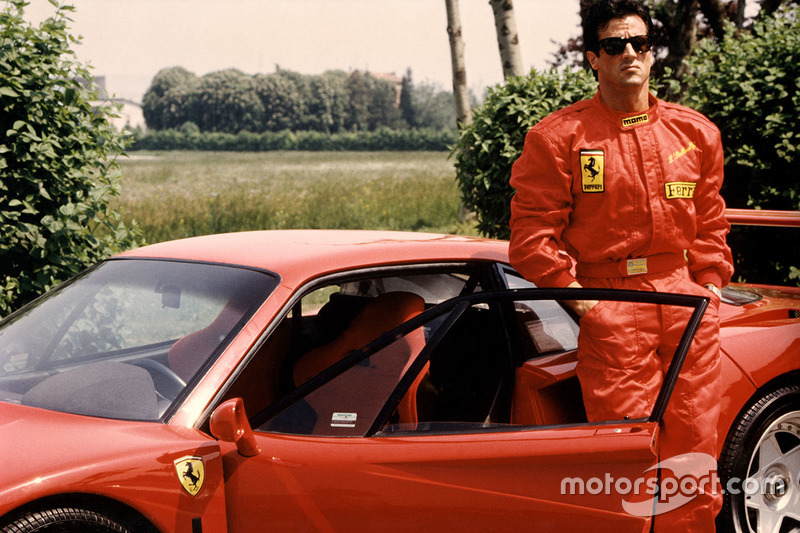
(489, 146)
(188, 138)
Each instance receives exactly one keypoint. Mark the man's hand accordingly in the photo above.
(713, 288)
(581, 307)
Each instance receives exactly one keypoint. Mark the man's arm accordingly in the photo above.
(710, 260)
(540, 211)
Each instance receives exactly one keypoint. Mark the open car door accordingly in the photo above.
(467, 417)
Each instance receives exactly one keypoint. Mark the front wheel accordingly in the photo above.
(760, 466)
(64, 520)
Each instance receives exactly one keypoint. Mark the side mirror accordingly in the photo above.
(229, 424)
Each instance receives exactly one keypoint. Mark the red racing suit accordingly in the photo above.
(633, 200)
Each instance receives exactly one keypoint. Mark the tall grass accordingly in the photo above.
(181, 194)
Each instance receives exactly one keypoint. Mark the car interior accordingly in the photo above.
(314, 374)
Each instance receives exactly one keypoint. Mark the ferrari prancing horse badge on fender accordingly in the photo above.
(191, 473)
(592, 166)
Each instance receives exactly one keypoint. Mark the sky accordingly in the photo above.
(129, 41)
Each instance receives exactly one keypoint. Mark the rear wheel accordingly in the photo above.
(64, 520)
(760, 466)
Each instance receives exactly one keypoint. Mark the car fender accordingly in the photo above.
(49, 454)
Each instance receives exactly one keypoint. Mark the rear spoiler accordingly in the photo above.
(763, 217)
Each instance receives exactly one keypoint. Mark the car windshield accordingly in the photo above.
(123, 339)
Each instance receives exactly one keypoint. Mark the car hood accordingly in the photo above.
(770, 304)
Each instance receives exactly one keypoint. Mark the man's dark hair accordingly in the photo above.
(603, 12)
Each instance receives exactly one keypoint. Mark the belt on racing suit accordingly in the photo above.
(631, 267)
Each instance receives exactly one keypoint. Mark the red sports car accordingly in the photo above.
(355, 380)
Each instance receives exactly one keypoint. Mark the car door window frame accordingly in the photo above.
(455, 308)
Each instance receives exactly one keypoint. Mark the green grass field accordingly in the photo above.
(182, 194)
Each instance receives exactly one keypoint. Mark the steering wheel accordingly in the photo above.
(168, 384)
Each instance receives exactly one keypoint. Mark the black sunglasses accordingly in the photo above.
(616, 45)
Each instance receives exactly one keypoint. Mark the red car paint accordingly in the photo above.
(256, 481)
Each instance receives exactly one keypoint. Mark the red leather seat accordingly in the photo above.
(190, 352)
(380, 315)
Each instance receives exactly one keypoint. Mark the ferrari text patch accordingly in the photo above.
(680, 189)
(638, 119)
(191, 473)
(592, 166)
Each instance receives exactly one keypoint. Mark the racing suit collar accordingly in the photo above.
(627, 121)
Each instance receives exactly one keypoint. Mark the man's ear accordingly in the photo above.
(592, 58)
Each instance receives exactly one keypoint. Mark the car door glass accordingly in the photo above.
(542, 389)
(333, 319)
(550, 328)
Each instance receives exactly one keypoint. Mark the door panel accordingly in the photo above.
(508, 480)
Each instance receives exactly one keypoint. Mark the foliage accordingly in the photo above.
(407, 109)
(227, 101)
(230, 101)
(678, 25)
(189, 137)
(57, 158)
(488, 147)
(168, 102)
(434, 109)
(748, 85)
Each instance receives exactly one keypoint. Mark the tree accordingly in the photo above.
(58, 170)
(167, 103)
(382, 106)
(678, 26)
(460, 90)
(326, 99)
(281, 103)
(228, 101)
(407, 109)
(507, 37)
(434, 108)
(359, 87)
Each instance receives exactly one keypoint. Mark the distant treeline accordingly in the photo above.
(231, 102)
(189, 137)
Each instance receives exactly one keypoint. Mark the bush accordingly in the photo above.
(57, 161)
(488, 147)
(315, 141)
(748, 85)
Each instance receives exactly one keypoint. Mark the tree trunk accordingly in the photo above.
(460, 90)
(682, 35)
(507, 37)
(741, 5)
(714, 11)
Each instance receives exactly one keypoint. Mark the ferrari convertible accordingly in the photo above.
(357, 380)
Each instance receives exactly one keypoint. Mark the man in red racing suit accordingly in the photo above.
(627, 186)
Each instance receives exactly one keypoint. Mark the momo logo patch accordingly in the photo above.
(680, 189)
(638, 119)
(592, 167)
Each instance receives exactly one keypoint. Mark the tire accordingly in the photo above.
(760, 466)
(64, 520)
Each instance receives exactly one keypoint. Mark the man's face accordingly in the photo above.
(628, 70)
